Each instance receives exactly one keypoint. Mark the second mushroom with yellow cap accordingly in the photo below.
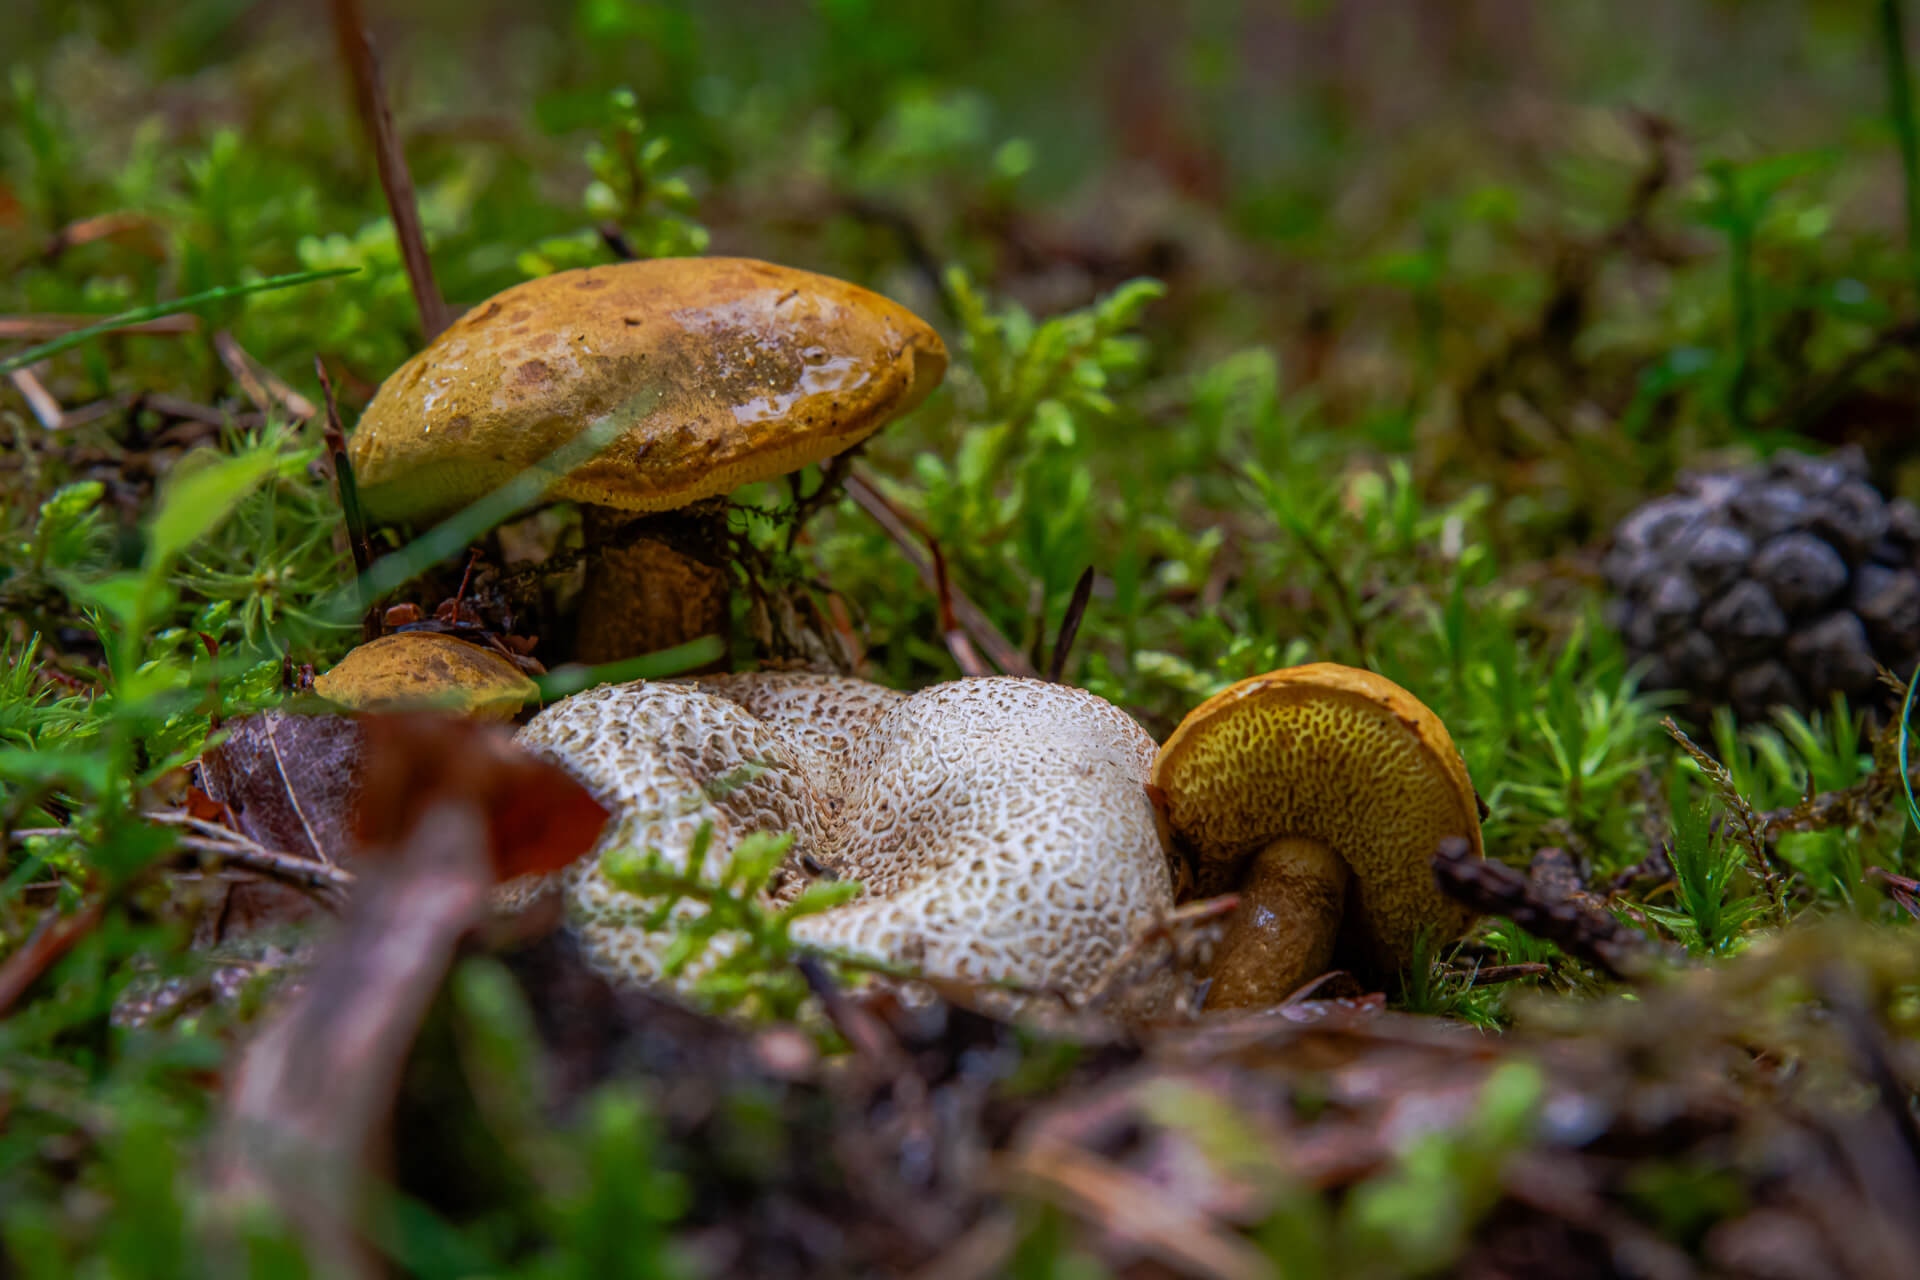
(423, 670)
(1320, 793)
(643, 387)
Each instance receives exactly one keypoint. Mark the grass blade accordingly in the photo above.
(67, 341)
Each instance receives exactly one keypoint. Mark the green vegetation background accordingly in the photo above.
(1443, 290)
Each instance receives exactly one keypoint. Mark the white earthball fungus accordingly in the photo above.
(1000, 827)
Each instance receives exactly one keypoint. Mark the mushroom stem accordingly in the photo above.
(1283, 934)
(643, 594)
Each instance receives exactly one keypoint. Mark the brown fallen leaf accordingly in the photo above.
(289, 781)
(285, 782)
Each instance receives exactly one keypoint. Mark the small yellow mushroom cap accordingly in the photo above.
(412, 669)
(699, 374)
(1333, 754)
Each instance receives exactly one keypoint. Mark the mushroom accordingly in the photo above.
(1320, 793)
(1001, 827)
(427, 669)
(675, 380)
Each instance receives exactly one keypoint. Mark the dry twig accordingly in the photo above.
(239, 850)
(370, 97)
(51, 939)
(1751, 826)
(38, 398)
(263, 386)
(1070, 626)
(957, 642)
(968, 614)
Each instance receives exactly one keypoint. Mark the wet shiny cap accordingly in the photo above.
(690, 376)
(1334, 754)
(412, 669)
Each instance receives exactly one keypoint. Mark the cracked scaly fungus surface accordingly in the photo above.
(664, 758)
(1000, 827)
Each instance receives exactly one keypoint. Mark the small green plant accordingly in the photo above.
(270, 575)
(1711, 916)
(1033, 393)
(631, 190)
(723, 929)
(1433, 985)
(1416, 1216)
(1795, 761)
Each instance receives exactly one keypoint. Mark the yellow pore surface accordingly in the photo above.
(1332, 754)
(642, 386)
(412, 669)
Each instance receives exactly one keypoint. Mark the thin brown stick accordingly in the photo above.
(964, 655)
(232, 848)
(243, 851)
(906, 536)
(244, 854)
(323, 881)
(51, 939)
(1070, 626)
(95, 410)
(868, 1036)
(38, 399)
(186, 410)
(356, 50)
(350, 513)
(1904, 890)
(102, 226)
(262, 385)
(40, 326)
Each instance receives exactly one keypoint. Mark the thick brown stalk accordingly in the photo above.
(645, 593)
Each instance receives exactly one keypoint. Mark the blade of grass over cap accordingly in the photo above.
(67, 341)
(459, 531)
(571, 679)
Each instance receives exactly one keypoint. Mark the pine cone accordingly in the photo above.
(1773, 586)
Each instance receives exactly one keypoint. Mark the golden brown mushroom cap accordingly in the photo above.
(730, 370)
(427, 669)
(1337, 755)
